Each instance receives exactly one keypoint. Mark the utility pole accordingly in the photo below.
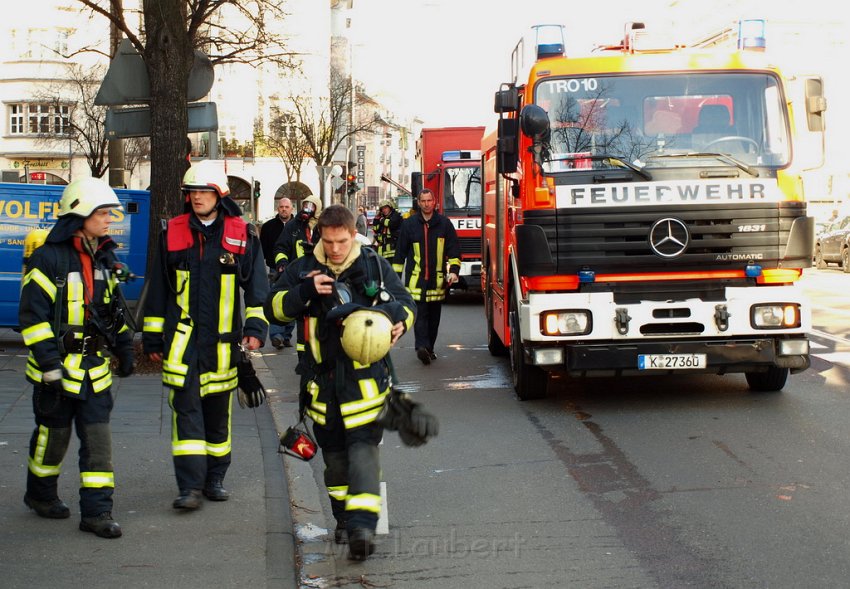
(115, 147)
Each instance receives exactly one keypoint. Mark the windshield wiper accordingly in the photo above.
(728, 159)
(604, 156)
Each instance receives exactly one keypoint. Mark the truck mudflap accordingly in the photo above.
(705, 356)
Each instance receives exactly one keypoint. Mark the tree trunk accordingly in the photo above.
(168, 55)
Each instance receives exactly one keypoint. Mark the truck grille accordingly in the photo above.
(470, 245)
(617, 240)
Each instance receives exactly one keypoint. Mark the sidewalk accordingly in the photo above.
(246, 541)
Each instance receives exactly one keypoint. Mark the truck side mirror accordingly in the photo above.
(507, 145)
(815, 104)
(506, 100)
(534, 122)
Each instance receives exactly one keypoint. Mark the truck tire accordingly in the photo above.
(820, 264)
(767, 382)
(530, 381)
(494, 344)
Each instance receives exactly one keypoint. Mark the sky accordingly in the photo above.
(443, 60)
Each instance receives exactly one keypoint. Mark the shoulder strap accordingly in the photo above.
(62, 268)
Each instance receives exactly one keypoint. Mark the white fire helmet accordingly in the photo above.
(367, 335)
(83, 197)
(206, 175)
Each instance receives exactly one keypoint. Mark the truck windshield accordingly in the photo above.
(638, 117)
(462, 191)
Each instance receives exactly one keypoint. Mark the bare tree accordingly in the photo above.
(286, 141)
(227, 31)
(136, 149)
(328, 125)
(74, 118)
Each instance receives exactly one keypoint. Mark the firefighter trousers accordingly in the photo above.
(352, 472)
(427, 324)
(200, 434)
(55, 415)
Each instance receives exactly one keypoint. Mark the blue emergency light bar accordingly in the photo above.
(751, 34)
(550, 41)
(461, 155)
(752, 271)
(586, 276)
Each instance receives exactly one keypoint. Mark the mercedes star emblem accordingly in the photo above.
(669, 237)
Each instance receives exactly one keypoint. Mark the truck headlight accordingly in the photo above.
(571, 322)
(775, 316)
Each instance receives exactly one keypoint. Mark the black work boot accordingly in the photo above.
(53, 509)
(360, 543)
(340, 534)
(424, 356)
(101, 525)
(214, 489)
(190, 499)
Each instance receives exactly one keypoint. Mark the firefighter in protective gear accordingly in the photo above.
(427, 247)
(341, 395)
(193, 324)
(70, 315)
(385, 228)
(297, 238)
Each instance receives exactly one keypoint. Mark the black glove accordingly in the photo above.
(126, 364)
(251, 391)
(415, 426)
(308, 290)
(53, 380)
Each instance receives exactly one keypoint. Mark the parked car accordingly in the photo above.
(833, 245)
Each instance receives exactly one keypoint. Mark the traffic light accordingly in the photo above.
(256, 189)
(351, 184)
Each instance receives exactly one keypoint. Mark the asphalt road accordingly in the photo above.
(686, 481)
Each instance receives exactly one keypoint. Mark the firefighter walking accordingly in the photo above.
(69, 316)
(193, 324)
(385, 228)
(428, 254)
(354, 308)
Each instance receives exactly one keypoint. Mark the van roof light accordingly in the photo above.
(751, 34)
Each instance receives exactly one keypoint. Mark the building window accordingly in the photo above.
(39, 119)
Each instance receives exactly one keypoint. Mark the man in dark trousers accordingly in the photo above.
(427, 246)
(343, 394)
(70, 314)
(280, 336)
(194, 325)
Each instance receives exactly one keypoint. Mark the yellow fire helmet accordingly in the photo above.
(206, 175)
(83, 197)
(387, 202)
(367, 335)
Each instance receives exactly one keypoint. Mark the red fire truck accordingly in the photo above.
(450, 165)
(643, 214)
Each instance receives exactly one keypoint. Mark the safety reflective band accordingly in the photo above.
(277, 305)
(222, 449)
(188, 447)
(182, 280)
(154, 325)
(36, 462)
(279, 257)
(219, 382)
(225, 303)
(97, 480)
(398, 268)
(76, 299)
(409, 319)
(362, 418)
(312, 340)
(174, 370)
(100, 376)
(339, 493)
(363, 502)
(37, 276)
(255, 313)
(37, 333)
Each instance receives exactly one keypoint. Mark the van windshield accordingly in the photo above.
(636, 117)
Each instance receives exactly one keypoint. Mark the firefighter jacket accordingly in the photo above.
(385, 230)
(425, 249)
(335, 388)
(70, 312)
(296, 239)
(193, 313)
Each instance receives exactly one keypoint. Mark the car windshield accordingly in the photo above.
(664, 120)
(462, 190)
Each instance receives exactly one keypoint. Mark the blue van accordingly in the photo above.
(24, 207)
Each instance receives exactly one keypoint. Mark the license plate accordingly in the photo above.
(671, 361)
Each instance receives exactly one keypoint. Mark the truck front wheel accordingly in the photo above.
(767, 382)
(529, 381)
